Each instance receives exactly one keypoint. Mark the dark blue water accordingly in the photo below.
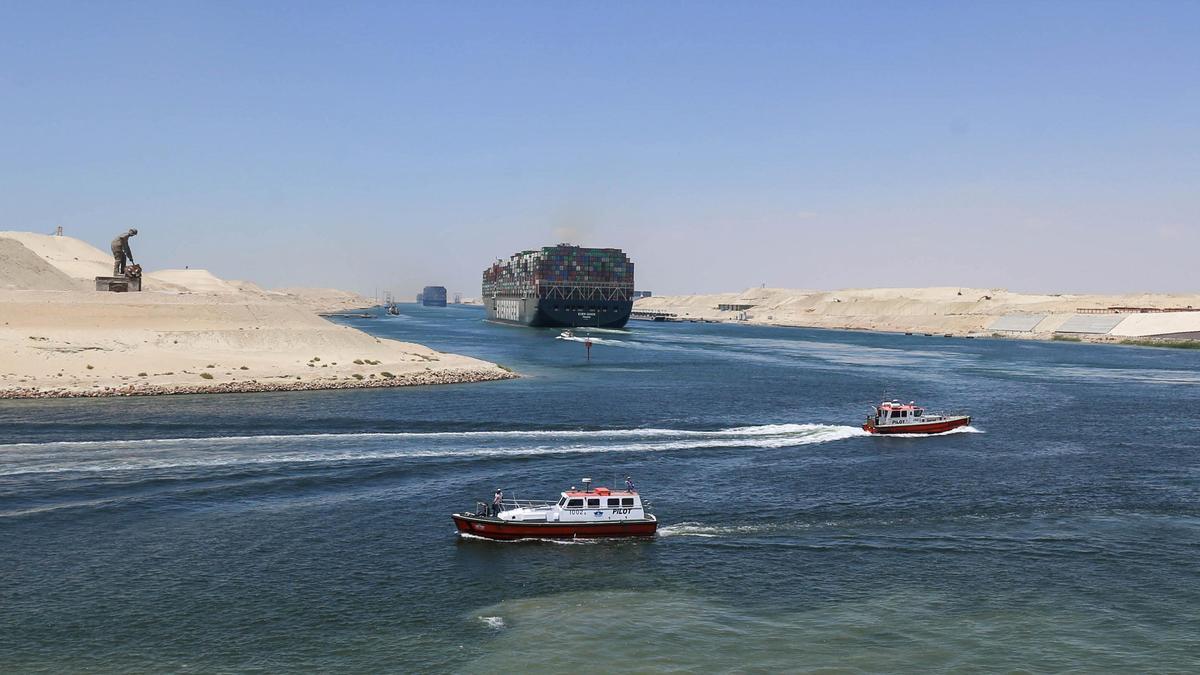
(310, 530)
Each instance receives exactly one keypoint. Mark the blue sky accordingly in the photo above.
(1036, 146)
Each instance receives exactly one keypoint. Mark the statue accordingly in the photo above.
(121, 252)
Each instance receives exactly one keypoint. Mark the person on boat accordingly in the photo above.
(496, 502)
(629, 486)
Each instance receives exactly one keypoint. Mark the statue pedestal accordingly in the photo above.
(119, 284)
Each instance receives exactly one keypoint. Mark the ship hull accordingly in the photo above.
(559, 313)
(941, 426)
(494, 528)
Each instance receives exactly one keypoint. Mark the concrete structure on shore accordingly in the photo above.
(189, 332)
(956, 311)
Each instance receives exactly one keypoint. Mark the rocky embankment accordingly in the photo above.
(245, 387)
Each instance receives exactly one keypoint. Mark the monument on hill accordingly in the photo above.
(127, 276)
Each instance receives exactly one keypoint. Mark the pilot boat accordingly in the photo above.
(578, 514)
(893, 417)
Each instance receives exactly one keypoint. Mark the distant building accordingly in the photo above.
(434, 296)
(641, 294)
(458, 298)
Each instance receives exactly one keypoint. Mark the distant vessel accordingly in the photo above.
(389, 304)
(893, 417)
(434, 296)
(561, 285)
(567, 334)
(578, 514)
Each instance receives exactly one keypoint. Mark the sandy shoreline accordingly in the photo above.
(188, 332)
(960, 312)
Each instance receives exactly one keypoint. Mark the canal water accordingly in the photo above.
(311, 530)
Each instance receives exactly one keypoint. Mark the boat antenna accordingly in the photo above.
(587, 484)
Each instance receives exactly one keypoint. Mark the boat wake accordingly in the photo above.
(651, 432)
(493, 622)
(593, 340)
(276, 449)
(694, 529)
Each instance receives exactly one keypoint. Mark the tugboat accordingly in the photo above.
(893, 417)
(578, 514)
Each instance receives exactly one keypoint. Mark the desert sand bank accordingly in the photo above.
(187, 332)
(956, 311)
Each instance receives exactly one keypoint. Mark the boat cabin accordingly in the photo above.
(891, 413)
(590, 504)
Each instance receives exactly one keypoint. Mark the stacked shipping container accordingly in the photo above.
(558, 270)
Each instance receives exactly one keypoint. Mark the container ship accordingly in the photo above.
(434, 296)
(560, 286)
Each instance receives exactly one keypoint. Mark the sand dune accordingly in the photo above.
(48, 262)
(193, 281)
(22, 269)
(73, 257)
(190, 331)
(323, 299)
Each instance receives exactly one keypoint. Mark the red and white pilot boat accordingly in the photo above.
(578, 514)
(893, 417)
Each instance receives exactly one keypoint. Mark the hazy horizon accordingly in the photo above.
(1047, 147)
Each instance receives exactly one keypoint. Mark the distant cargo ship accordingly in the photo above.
(434, 296)
(561, 285)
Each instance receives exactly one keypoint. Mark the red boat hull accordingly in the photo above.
(938, 427)
(494, 528)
